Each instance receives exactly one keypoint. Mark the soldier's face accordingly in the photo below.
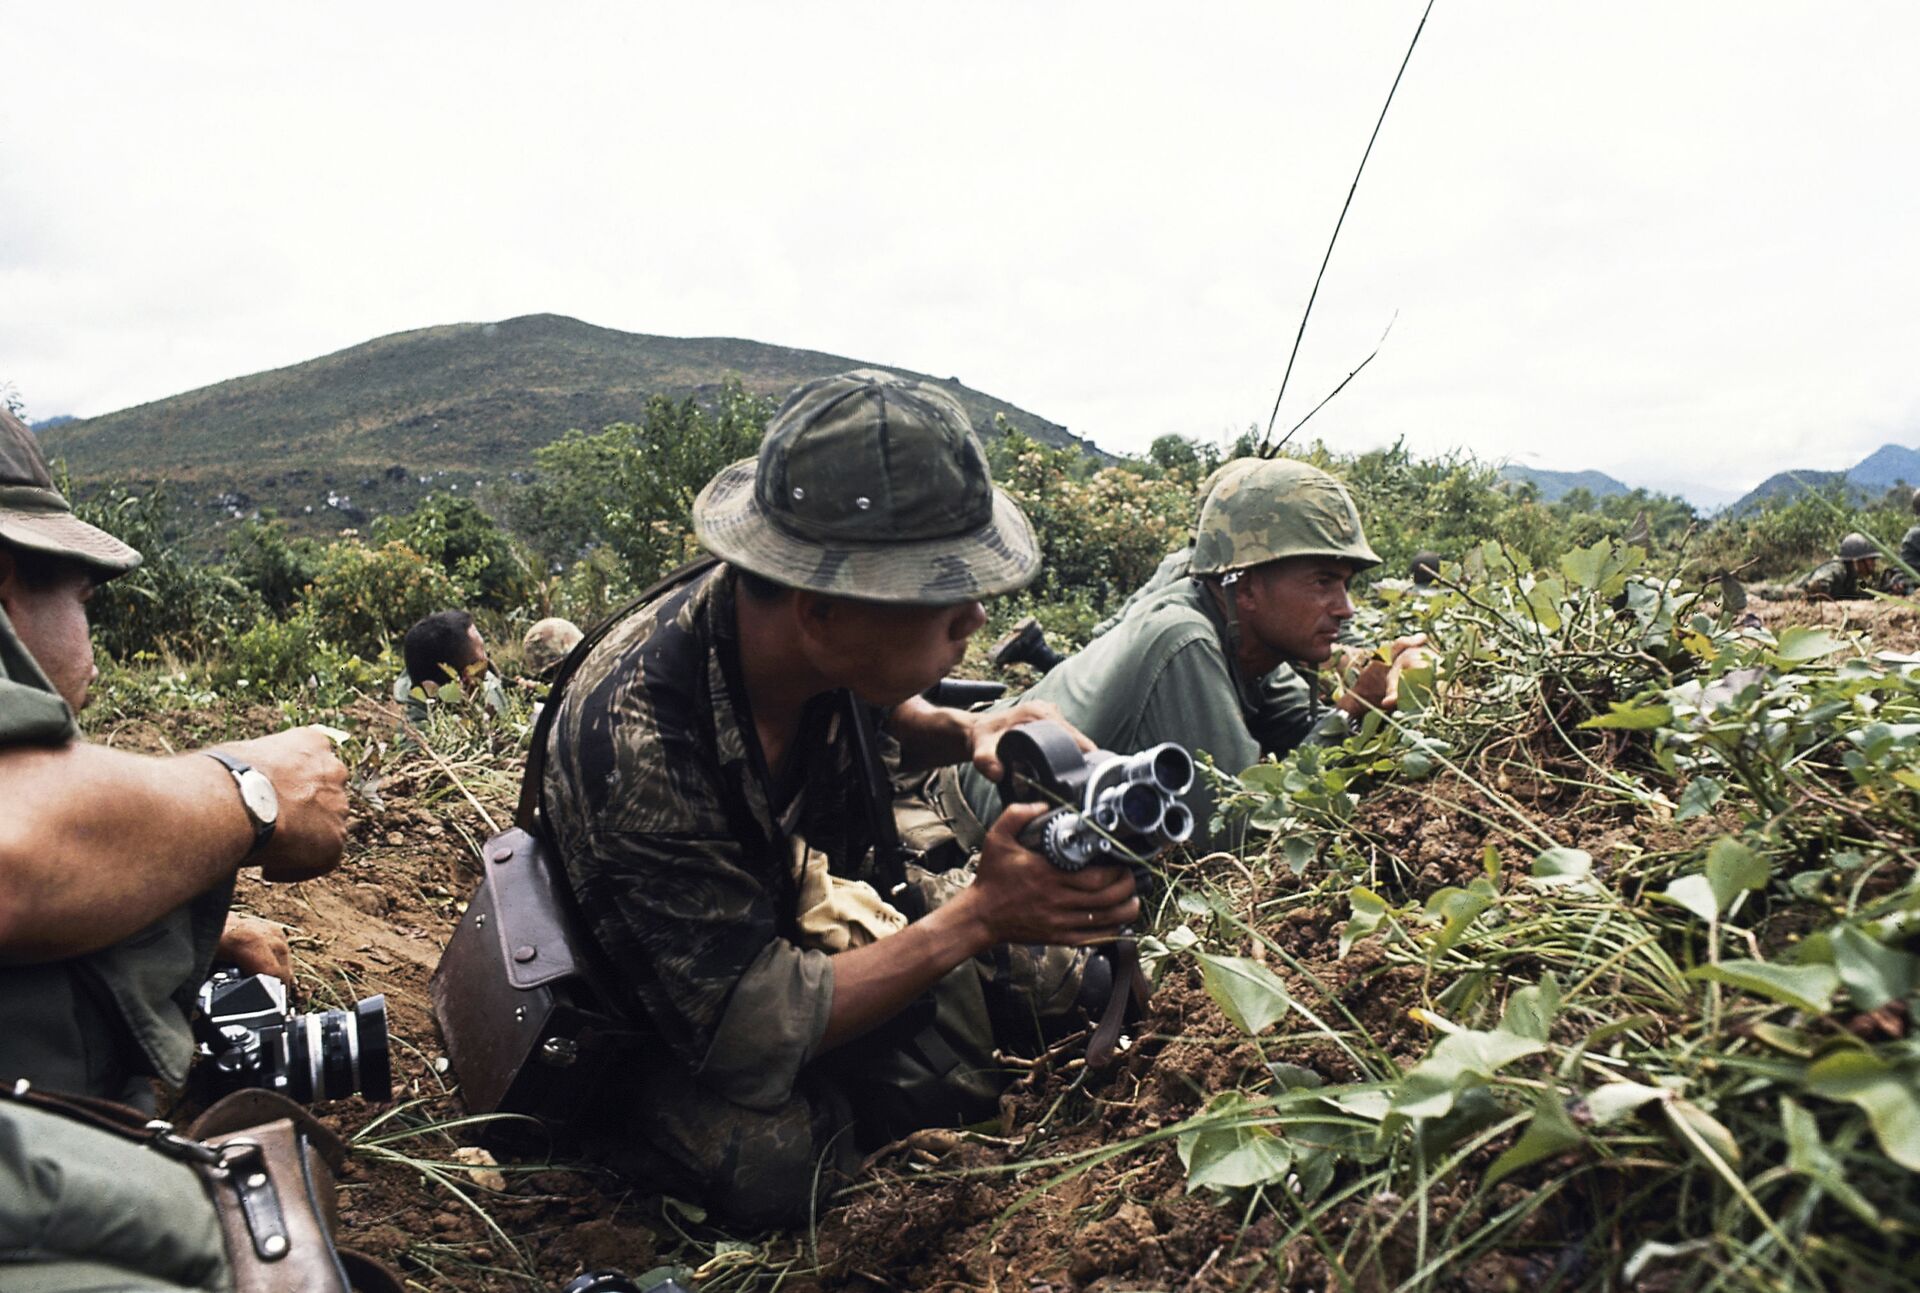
(1295, 607)
(886, 653)
(50, 619)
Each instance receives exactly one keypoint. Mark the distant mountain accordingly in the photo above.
(57, 420)
(1868, 479)
(1555, 485)
(370, 428)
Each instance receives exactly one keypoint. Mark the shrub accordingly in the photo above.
(469, 546)
(363, 598)
(276, 566)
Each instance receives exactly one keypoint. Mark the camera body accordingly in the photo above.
(1112, 808)
(249, 1037)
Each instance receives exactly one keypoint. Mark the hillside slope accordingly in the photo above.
(463, 397)
(1555, 485)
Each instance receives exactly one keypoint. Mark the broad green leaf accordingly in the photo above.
(1732, 869)
(1695, 894)
(1588, 567)
(1269, 778)
(1490, 861)
(1543, 602)
(1551, 1132)
(1228, 1152)
(1612, 1101)
(1873, 972)
(1463, 1059)
(1294, 1077)
(1889, 1096)
(1457, 909)
(1231, 1158)
(1808, 1156)
(1369, 912)
(1801, 643)
(1702, 794)
(1299, 852)
(1250, 994)
(1706, 1129)
(1562, 866)
(1804, 987)
(1632, 716)
(1530, 1011)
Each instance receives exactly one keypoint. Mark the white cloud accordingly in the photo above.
(1672, 243)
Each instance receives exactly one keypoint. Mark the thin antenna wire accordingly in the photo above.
(1274, 417)
(1341, 387)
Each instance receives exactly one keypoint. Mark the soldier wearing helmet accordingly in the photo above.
(1909, 551)
(1846, 576)
(546, 645)
(1215, 658)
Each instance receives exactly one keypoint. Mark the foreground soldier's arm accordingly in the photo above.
(933, 737)
(97, 843)
(1016, 897)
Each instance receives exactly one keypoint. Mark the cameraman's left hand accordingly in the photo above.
(990, 726)
(256, 947)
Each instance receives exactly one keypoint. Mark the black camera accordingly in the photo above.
(616, 1282)
(249, 1038)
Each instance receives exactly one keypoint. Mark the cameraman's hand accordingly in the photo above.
(255, 947)
(311, 783)
(1026, 899)
(991, 725)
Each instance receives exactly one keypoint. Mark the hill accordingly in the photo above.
(1883, 469)
(381, 421)
(1555, 485)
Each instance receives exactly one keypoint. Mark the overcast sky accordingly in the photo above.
(1672, 242)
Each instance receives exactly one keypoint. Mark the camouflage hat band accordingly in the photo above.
(997, 557)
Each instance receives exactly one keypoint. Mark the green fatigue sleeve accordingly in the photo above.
(31, 711)
(1193, 700)
(1289, 716)
(83, 1209)
(1828, 579)
(1172, 567)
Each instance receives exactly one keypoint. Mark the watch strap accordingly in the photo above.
(237, 768)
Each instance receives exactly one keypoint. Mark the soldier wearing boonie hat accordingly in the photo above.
(717, 820)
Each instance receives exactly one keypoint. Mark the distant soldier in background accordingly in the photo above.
(1909, 553)
(441, 649)
(546, 645)
(1423, 569)
(1846, 576)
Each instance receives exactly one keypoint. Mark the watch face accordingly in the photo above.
(257, 792)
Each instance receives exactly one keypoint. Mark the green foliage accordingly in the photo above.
(469, 546)
(276, 566)
(171, 602)
(364, 598)
(630, 488)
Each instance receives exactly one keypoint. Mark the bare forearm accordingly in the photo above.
(874, 983)
(930, 736)
(97, 844)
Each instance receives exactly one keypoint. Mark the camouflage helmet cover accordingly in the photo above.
(871, 486)
(1278, 508)
(1857, 545)
(548, 642)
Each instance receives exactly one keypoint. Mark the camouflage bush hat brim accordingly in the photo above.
(35, 516)
(870, 486)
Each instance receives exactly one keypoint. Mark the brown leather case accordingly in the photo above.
(522, 1010)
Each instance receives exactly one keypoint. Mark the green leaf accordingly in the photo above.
(1702, 794)
(1461, 1060)
(1530, 1011)
(1632, 716)
(1804, 987)
(1551, 1132)
(1732, 869)
(1543, 602)
(1890, 1097)
(1801, 643)
(1873, 972)
(1299, 853)
(1235, 1155)
(1269, 778)
(1457, 909)
(1695, 894)
(1369, 912)
(1612, 1101)
(1562, 866)
(1706, 1128)
(1490, 861)
(1250, 994)
(1808, 1156)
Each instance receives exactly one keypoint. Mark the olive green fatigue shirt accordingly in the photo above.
(1163, 673)
(103, 1023)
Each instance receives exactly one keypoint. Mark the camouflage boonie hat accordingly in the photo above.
(548, 642)
(870, 486)
(34, 515)
(1273, 509)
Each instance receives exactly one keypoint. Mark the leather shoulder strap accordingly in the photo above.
(527, 816)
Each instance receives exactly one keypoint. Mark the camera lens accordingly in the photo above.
(376, 1057)
(602, 1282)
(332, 1054)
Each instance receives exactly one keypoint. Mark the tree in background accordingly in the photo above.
(469, 546)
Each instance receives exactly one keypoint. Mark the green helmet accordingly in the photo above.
(1914, 502)
(1277, 508)
(1856, 546)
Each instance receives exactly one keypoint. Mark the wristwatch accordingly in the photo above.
(256, 796)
